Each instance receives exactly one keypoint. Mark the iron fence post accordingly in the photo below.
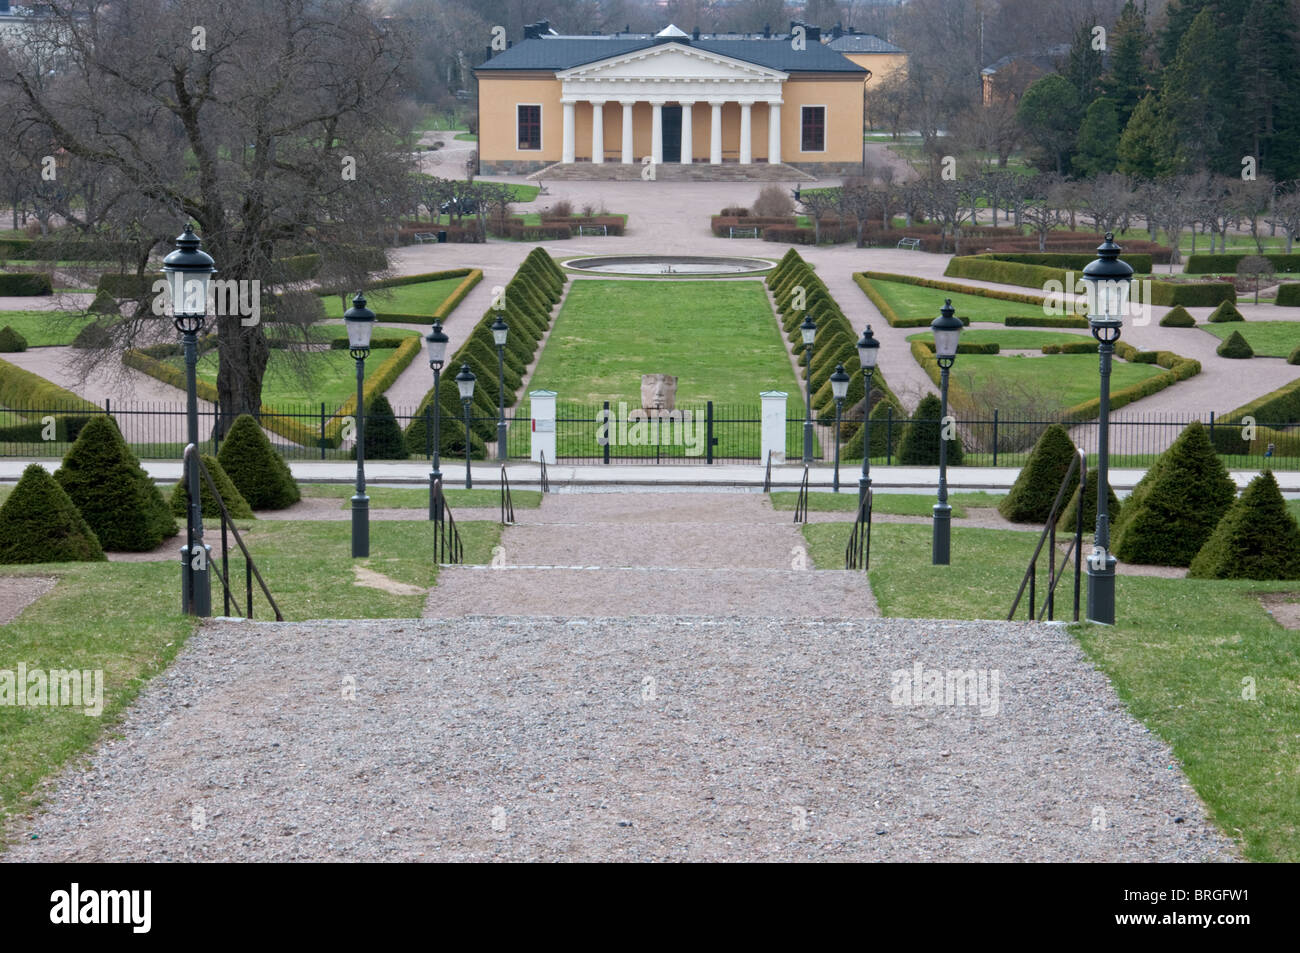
(708, 432)
(995, 437)
(608, 432)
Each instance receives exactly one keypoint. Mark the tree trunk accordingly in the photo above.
(243, 354)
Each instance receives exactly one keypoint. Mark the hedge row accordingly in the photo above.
(375, 384)
(887, 310)
(53, 249)
(987, 268)
(21, 388)
(1199, 294)
(721, 225)
(25, 284)
(1177, 368)
(968, 347)
(1140, 262)
(960, 289)
(1288, 295)
(613, 224)
(1281, 406)
(923, 354)
(472, 276)
(1227, 264)
(1046, 321)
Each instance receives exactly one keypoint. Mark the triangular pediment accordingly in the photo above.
(674, 60)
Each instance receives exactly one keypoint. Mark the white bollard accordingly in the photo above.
(773, 426)
(543, 425)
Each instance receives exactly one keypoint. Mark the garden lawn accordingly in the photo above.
(45, 328)
(393, 497)
(333, 376)
(1266, 338)
(892, 504)
(1009, 339)
(123, 618)
(422, 298)
(914, 301)
(1072, 378)
(1177, 657)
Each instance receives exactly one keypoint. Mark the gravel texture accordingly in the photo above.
(18, 592)
(542, 739)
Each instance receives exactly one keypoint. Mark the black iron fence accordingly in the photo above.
(611, 433)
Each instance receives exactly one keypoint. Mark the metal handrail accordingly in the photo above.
(507, 503)
(447, 546)
(767, 476)
(801, 506)
(250, 568)
(1078, 464)
(546, 482)
(858, 553)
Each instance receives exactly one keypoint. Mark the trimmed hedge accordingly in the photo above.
(954, 286)
(1140, 262)
(1222, 264)
(25, 284)
(1177, 368)
(1225, 312)
(53, 248)
(1294, 357)
(118, 499)
(39, 523)
(967, 347)
(1176, 506)
(1288, 295)
(21, 389)
(236, 505)
(1031, 496)
(1065, 523)
(11, 341)
(1178, 317)
(1046, 321)
(258, 472)
(383, 434)
(888, 312)
(1234, 346)
(1198, 294)
(987, 268)
(127, 286)
(919, 445)
(1257, 538)
(375, 385)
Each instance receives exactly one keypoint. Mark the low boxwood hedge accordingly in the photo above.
(1045, 321)
(1222, 264)
(1197, 294)
(1288, 294)
(25, 284)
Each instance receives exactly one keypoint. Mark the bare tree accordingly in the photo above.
(1043, 212)
(816, 203)
(1255, 267)
(1105, 199)
(1286, 213)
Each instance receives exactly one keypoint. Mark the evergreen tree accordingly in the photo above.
(919, 445)
(1098, 142)
(1126, 82)
(1147, 147)
(1083, 65)
(40, 524)
(1257, 539)
(1194, 98)
(1035, 489)
(1049, 114)
(1267, 74)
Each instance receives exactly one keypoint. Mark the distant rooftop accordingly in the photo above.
(862, 43)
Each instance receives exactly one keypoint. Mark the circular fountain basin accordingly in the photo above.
(665, 266)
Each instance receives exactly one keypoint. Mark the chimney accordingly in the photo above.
(837, 31)
(814, 33)
(489, 47)
(767, 31)
(695, 34)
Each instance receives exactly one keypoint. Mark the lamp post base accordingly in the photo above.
(941, 548)
(807, 443)
(196, 583)
(1101, 590)
(360, 526)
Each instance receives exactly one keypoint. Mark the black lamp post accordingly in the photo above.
(868, 354)
(947, 332)
(840, 389)
(436, 344)
(809, 332)
(360, 322)
(188, 270)
(1108, 290)
(465, 382)
(499, 332)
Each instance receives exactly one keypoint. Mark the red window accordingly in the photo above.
(813, 129)
(530, 127)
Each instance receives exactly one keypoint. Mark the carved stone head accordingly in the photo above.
(658, 391)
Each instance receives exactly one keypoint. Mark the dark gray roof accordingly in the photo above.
(862, 43)
(553, 53)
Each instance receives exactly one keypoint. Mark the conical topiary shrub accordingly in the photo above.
(1175, 507)
(116, 497)
(1294, 357)
(258, 472)
(1256, 539)
(1035, 489)
(11, 341)
(1234, 346)
(1226, 311)
(1065, 522)
(39, 523)
(236, 505)
(919, 445)
(384, 438)
(1178, 317)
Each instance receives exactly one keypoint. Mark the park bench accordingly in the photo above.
(912, 244)
(423, 237)
(743, 231)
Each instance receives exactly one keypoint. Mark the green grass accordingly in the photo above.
(45, 328)
(391, 497)
(1009, 339)
(914, 301)
(1072, 377)
(466, 137)
(421, 298)
(333, 376)
(1266, 338)
(1177, 657)
(892, 504)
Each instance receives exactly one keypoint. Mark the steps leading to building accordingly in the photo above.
(672, 172)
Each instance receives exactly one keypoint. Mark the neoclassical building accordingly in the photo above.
(673, 97)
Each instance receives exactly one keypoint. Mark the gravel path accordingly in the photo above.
(545, 739)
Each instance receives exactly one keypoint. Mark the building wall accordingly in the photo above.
(842, 97)
(882, 65)
(497, 132)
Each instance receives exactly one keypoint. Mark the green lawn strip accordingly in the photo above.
(420, 298)
(892, 504)
(466, 137)
(45, 328)
(333, 377)
(1072, 377)
(914, 301)
(1266, 338)
(1009, 339)
(392, 497)
(323, 333)
(1177, 658)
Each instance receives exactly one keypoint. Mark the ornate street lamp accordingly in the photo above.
(1109, 281)
(947, 333)
(840, 390)
(465, 383)
(808, 330)
(499, 332)
(436, 344)
(868, 355)
(360, 322)
(188, 270)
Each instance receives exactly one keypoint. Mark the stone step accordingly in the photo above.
(672, 172)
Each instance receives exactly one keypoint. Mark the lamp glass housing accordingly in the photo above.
(840, 383)
(465, 383)
(188, 270)
(808, 330)
(435, 343)
(360, 322)
(868, 350)
(499, 331)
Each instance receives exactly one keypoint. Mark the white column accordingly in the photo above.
(746, 134)
(569, 147)
(543, 425)
(688, 143)
(715, 133)
(773, 427)
(657, 134)
(597, 130)
(773, 132)
(628, 158)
